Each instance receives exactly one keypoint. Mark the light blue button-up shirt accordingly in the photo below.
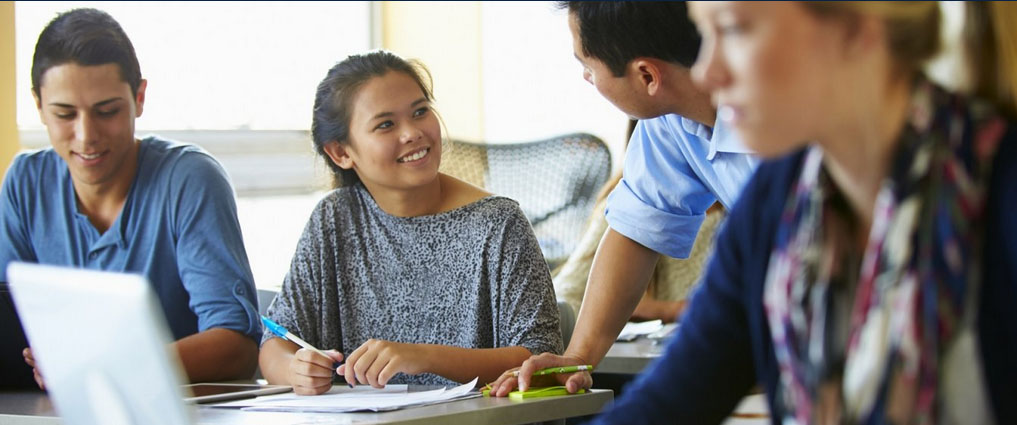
(675, 169)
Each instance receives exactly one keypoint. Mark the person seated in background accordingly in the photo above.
(412, 275)
(100, 198)
(680, 161)
(869, 271)
(671, 283)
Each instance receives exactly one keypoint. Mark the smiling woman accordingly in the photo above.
(393, 119)
(376, 274)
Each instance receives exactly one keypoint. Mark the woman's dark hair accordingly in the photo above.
(87, 37)
(616, 32)
(334, 97)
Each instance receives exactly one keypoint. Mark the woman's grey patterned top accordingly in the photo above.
(472, 277)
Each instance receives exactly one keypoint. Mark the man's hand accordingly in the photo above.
(573, 381)
(27, 353)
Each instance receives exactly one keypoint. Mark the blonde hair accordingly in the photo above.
(913, 36)
(912, 27)
(990, 41)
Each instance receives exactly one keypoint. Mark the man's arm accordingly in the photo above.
(213, 268)
(217, 354)
(618, 278)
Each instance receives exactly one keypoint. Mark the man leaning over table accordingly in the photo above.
(678, 164)
(101, 199)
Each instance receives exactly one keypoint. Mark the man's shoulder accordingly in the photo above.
(179, 171)
(673, 121)
(670, 128)
(166, 150)
(36, 166)
(166, 158)
(35, 158)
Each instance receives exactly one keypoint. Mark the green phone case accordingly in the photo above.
(541, 392)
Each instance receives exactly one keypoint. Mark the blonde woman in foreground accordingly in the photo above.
(868, 272)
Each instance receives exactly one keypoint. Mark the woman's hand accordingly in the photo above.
(310, 373)
(377, 361)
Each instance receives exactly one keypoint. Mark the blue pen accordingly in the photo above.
(281, 332)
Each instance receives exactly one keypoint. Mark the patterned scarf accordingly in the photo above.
(887, 335)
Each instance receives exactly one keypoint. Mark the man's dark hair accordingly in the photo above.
(86, 37)
(616, 32)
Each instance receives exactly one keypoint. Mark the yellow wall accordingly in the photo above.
(446, 37)
(9, 144)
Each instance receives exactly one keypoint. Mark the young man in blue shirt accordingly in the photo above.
(678, 164)
(101, 199)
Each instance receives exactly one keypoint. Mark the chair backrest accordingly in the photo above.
(555, 182)
(566, 320)
(265, 297)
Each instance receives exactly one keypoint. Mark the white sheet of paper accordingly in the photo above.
(633, 330)
(362, 398)
(665, 332)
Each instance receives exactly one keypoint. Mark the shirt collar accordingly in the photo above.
(720, 137)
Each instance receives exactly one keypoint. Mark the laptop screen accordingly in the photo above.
(101, 342)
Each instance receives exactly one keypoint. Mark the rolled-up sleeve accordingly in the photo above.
(211, 257)
(660, 202)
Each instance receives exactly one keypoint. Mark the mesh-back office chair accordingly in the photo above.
(265, 297)
(555, 182)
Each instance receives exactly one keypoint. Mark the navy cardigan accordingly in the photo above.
(724, 347)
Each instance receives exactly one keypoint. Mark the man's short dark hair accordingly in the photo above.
(86, 37)
(616, 32)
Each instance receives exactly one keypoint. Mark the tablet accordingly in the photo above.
(206, 393)
(15, 374)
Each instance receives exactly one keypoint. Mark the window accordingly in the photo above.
(235, 78)
(217, 65)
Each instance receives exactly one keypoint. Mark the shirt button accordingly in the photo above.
(93, 255)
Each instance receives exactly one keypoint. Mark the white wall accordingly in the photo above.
(444, 36)
(9, 143)
(533, 85)
(503, 71)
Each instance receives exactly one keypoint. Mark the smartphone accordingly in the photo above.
(207, 393)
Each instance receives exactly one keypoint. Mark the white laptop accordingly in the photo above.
(102, 345)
